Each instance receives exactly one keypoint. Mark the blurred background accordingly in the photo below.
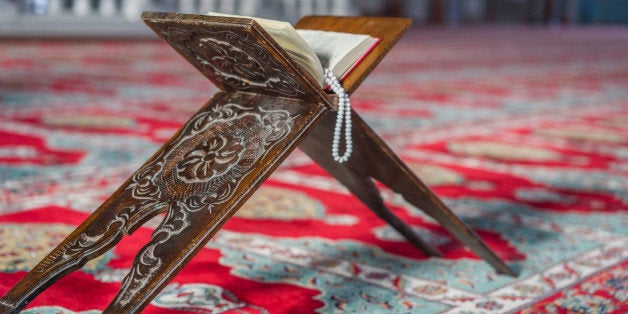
(20, 18)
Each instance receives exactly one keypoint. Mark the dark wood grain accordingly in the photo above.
(236, 54)
(371, 160)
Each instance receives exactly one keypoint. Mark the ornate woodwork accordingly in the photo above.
(213, 164)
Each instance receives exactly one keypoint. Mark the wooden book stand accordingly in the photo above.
(266, 108)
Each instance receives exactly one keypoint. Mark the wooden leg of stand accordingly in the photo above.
(365, 190)
(248, 143)
(372, 158)
(180, 236)
(201, 176)
(351, 174)
(99, 233)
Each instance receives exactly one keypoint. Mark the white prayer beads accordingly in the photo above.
(344, 114)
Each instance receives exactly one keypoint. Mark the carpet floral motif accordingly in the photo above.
(202, 298)
(281, 204)
(604, 293)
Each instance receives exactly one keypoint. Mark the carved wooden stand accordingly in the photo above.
(266, 108)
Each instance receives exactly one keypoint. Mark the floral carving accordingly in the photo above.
(199, 170)
(213, 157)
(142, 185)
(194, 174)
(233, 60)
(279, 123)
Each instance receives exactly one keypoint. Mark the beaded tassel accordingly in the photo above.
(344, 114)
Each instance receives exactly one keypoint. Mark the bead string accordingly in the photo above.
(344, 113)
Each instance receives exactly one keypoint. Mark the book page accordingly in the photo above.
(338, 51)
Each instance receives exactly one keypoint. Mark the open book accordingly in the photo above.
(315, 50)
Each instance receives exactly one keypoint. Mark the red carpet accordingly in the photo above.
(522, 131)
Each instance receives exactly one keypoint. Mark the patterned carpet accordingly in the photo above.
(522, 131)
